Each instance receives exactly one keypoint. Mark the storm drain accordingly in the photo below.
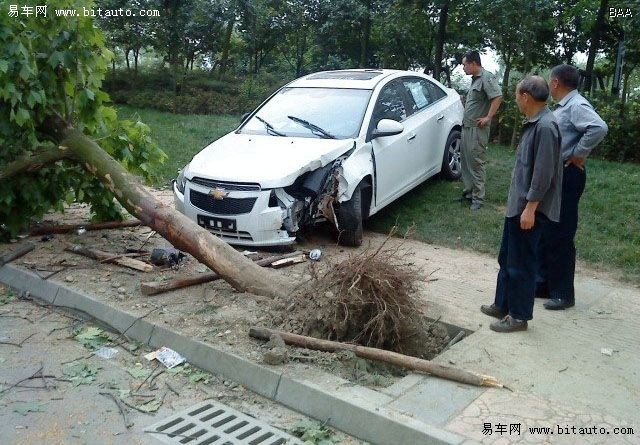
(212, 423)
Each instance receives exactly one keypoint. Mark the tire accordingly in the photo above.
(451, 168)
(350, 218)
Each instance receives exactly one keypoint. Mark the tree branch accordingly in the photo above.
(34, 162)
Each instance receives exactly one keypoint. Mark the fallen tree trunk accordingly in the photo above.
(184, 234)
(393, 358)
(107, 257)
(154, 288)
(66, 228)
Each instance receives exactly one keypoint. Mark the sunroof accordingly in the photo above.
(346, 75)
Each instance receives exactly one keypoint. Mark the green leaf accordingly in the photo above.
(4, 66)
(28, 407)
(80, 373)
(139, 372)
(21, 116)
(92, 338)
(55, 59)
(151, 406)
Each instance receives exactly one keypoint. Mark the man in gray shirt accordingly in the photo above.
(581, 129)
(534, 201)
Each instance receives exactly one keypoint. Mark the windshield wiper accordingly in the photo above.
(269, 127)
(314, 128)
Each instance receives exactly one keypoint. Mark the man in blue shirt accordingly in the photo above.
(581, 129)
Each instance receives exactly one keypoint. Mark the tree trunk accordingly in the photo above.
(364, 38)
(226, 46)
(440, 37)
(136, 53)
(126, 57)
(184, 234)
(394, 358)
(593, 45)
(33, 162)
(625, 86)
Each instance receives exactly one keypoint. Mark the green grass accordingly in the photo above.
(180, 136)
(609, 228)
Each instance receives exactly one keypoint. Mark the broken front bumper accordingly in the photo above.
(239, 217)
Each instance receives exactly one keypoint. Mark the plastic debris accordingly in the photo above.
(166, 257)
(106, 352)
(81, 231)
(315, 254)
(168, 357)
(606, 351)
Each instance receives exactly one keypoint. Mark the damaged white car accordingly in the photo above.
(334, 145)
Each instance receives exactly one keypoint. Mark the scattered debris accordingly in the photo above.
(92, 337)
(106, 352)
(168, 357)
(127, 423)
(154, 288)
(459, 336)
(288, 261)
(80, 373)
(19, 344)
(315, 254)
(17, 253)
(606, 351)
(99, 255)
(139, 372)
(166, 256)
(315, 433)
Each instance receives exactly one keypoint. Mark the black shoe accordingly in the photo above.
(558, 304)
(492, 311)
(462, 198)
(509, 324)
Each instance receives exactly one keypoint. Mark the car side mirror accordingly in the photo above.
(244, 117)
(387, 127)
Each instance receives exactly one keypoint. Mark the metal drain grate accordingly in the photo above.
(212, 423)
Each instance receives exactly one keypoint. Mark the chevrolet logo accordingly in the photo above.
(218, 193)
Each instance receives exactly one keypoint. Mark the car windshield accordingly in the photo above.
(331, 113)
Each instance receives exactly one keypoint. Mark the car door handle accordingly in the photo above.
(440, 118)
(412, 137)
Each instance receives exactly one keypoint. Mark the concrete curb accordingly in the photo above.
(358, 411)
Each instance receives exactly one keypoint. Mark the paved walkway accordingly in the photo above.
(558, 375)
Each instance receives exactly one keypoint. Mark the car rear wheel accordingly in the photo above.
(451, 167)
(350, 218)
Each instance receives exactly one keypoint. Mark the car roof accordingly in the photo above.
(365, 79)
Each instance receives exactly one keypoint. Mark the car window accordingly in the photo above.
(422, 92)
(311, 113)
(390, 104)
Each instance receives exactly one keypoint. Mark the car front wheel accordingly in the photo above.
(350, 218)
(451, 168)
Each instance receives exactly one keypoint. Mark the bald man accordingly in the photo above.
(534, 200)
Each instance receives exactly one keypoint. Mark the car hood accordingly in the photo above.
(271, 161)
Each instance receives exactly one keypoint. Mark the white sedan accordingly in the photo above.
(334, 145)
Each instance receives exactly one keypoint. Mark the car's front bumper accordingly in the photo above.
(245, 218)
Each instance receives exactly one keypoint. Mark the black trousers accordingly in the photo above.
(516, 282)
(557, 250)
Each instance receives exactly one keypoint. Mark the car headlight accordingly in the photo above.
(181, 181)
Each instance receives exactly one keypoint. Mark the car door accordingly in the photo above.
(428, 113)
(397, 158)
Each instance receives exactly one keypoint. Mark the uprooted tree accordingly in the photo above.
(59, 141)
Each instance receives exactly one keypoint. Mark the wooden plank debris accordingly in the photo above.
(154, 288)
(100, 255)
(17, 253)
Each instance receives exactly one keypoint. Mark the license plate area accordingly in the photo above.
(211, 222)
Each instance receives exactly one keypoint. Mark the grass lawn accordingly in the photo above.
(609, 228)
